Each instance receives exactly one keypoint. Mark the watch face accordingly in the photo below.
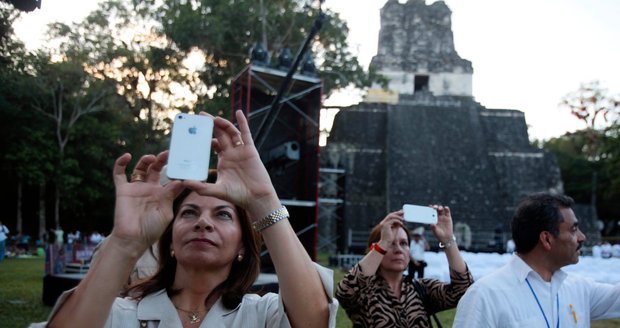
(448, 243)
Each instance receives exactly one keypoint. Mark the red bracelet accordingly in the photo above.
(378, 248)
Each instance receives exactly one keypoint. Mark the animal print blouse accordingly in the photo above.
(369, 301)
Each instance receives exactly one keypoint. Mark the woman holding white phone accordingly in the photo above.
(375, 293)
(208, 250)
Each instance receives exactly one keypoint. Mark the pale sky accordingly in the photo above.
(526, 54)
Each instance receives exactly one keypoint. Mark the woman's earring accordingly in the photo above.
(239, 258)
(172, 253)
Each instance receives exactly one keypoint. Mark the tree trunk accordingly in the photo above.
(264, 26)
(18, 224)
(593, 192)
(57, 206)
(42, 227)
(61, 165)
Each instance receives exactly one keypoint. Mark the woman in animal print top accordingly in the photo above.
(375, 293)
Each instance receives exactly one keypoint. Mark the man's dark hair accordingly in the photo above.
(537, 213)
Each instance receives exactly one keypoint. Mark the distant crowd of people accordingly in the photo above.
(606, 250)
(21, 244)
(57, 237)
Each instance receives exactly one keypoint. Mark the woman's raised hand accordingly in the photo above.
(241, 176)
(389, 228)
(143, 206)
(443, 229)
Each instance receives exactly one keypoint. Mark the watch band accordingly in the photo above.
(450, 242)
(378, 248)
(271, 219)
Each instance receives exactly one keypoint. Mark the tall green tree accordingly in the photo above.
(597, 109)
(225, 31)
(610, 196)
(69, 93)
(119, 44)
(25, 157)
(26, 142)
(89, 68)
(578, 168)
(589, 159)
(575, 164)
(593, 104)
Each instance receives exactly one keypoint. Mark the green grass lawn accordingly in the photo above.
(21, 282)
(21, 292)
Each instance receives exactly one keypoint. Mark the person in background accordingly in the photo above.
(532, 290)
(417, 247)
(510, 246)
(95, 238)
(375, 293)
(146, 266)
(596, 250)
(208, 250)
(606, 250)
(615, 250)
(60, 236)
(4, 235)
(70, 238)
(23, 243)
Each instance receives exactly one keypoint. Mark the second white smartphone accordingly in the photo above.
(190, 147)
(420, 214)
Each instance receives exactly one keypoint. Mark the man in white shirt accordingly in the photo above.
(510, 246)
(532, 290)
(4, 234)
(417, 248)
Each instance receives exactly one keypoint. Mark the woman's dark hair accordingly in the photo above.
(240, 279)
(537, 213)
(375, 236)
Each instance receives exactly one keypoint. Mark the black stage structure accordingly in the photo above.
(287, 139)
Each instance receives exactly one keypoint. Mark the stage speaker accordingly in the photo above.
(54, 285)
(286, 152)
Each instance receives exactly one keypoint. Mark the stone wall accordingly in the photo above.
(359, 149)
(438, 150)
(416, 37)
(416, 40)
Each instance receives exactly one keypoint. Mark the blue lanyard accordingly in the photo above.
(557, 300)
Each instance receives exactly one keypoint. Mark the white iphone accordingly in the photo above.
(190, 147)
(420, 214)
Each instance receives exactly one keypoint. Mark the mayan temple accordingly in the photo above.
(427, 141)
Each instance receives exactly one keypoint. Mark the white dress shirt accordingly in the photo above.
(504, 299)
(416, 249)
